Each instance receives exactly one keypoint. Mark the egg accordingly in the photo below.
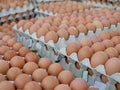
(6, 38)
(108, 43)
(65, 77)
(30, 67)
(14, 70)
(105, 23)
(34, 28)
(85, 42)
(39, 74)
(104, 35)
(54, 69)
(116, 40)
(91, 26)
(98, 58)
(21, 23)
(2, 35)
(32, 85)
(82, 29)
(112, 66)
(44, 63)
(3, 49)
(94, 38)
(93, 88)
(84, 52)
(73, 31)
(98, 46)
(31, 57)
(51, 35)
(117, 47)
(17, 61)
(72, 47)
(27, 26)
(78, 84)
(42, 32)
(112, 33)
(62, 33)
(50, 85)
(11, 42)
(112, 21)
(23, 51)
(9, 54)
(112, 52)
(21, 80)
(2, 78)
(17, 46)
(62, 87)
(6, 85)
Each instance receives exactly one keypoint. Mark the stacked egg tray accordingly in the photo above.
(115, 4)
(18, 13)
(47, 9)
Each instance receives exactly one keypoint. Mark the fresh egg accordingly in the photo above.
(44, 63)
(62, 87)
(85, 42)
(39, 74)
(6, 38)
(42, 32)
(112, 66)
(104, 35)
(21, 80)
(30, 67)
(108, 43)
(13, 72)
(78, 84)
(49, 86)
(65, 77)
(94, 38)
(73, 31)
(105, 23)
(11, 42)
(21, 23)
(82, 28)
(112, 21)
(2, 78)
(23, 51)
(112, 33)
(98, 58)
(34, 28)
(117, 47)
(27, 26)
(91, 26)
(31, 57)
(32, 85)
(17, 61)
(54, 28)
(4, 49)
(62, 33)
(17, 46)
(72, 47)
(116, 40)
(2, 35)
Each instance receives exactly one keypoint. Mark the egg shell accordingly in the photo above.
(116, 40)
(85, 42)
(108, 43)
(62, 87)
(42, 32)
(62, 33)
(104, 35)
(73, 31)
(23, 51)
(17, 46)
(4, 49)
(91, 26)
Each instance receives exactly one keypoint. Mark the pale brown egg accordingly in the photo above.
(51, 35)
(98, 58)
(72, 47)
(21, 80)
(54, 28)
(11, 42)
(44, 63)
(39, 74)
(27, 26)
(108, 43)
(104, 79)
(85, 42)
(82, 29)
(46, 25)
(2, 43)
(17, 46)
(112, 66)
(54, 69)
(73, 31)
(117, 47)
(6, 38)
(17, 61)
(62, 33)
(2, 35)
(6, 85)
(31, 57)
(34, 28)
(112, 21)
(30, 67)
(116, 40)
(104, 35)
(63, 26)
(91, 26)
(21, 23)
(32, 85)
(111, 52)
(13, 72)
(105, 23)
(62, 87)
(23, 51)
(65, 77)
(78, 84)
(93, 88)
(2, 78)
(42, 32)
(98, 46)
(112, 33)
(3, 49)
(53, 83)
(95, 38)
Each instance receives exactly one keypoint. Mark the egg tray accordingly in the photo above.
(18, 9)
(102, 5)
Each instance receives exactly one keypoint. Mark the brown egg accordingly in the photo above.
(34, 28)
(66, 77)
(117, 47)
(63, 26)
(21, 80)
(2, 34)
(49, 86)
(105, 23)
(2, 43)
(4, 67)
(17, 61)
(2, 78)
(108, 43)
(104, 79)
(73, 31)
(98, 46)
(62, 87)
(9, 54)
(6, 38)
(84, 52)
(6, 85)
(23, 51)
(82, 29)
(31, 57)
(54, 69)
(42, 32)
(85, 42)
(3, 49)
(93, 88)
(116, 40)
(72, 47)
(104, 35)
(112, 33)
(32, 85)
(112, 52)
(51, 35)
(98, 58)
(112, 21)
(39, 74)
(47, 25)
(11, 42)
(62, 33)
(95, 38)
(91, 26)
(21, 23)
(30, 67)
(78, 84)
(44, 63)
(112, 66)
(27, 26)
(13, 72)
(17, 46)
